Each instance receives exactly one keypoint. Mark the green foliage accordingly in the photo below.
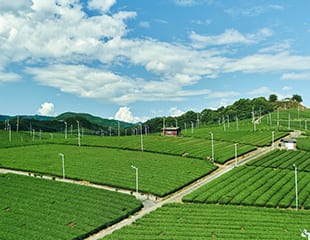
(200, 222)
(273, 98)
(303, 143)
(158, 173)
(92, 124)
(33, 208)
(242, 108)
(297, 98)
(70, 117)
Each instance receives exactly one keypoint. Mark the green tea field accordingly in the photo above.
(32, 208)
(158, 173)
(201, 221)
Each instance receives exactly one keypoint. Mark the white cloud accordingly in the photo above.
(223, 94)
(125, 114)
(296, 76)
(260, 91)
(46, 109)
(33, 35)
(229, 36)
(287, 88)
(175, 112)
(101, 5)
(253, 11)
(261, 63)
(14, 5)
(276, 48)
(8, 77)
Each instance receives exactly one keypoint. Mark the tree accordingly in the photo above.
(297, 98)
(273, 98)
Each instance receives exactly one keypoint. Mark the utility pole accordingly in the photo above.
(141, 136)
(212, 146)
(236, 154)
(79, 133)
(137, 179)
(296, 186)
(63, 164)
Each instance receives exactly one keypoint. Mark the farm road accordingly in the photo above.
(150, 205)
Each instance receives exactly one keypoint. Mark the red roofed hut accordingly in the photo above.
(171, 131)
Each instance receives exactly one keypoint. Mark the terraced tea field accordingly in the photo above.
(200, 222)
(32, 208)
(192, 147)
(257, 138)
(158, 173)
(267, 182)
(282, 159)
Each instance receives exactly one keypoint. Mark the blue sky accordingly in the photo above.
(133, 60)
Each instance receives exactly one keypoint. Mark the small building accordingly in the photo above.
(288, 144)
(171, 131)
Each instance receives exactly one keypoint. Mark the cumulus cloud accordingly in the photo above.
(125, 114)
(46, 109)
(102, 5)
(175, 112)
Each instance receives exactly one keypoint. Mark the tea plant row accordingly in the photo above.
(159, 174)
(32, 208)
(200, 221)
(255, 186)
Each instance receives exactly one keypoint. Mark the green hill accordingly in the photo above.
(91, 124)
(93, 119)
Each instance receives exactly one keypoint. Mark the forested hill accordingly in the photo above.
(92, 123)
(241, 109)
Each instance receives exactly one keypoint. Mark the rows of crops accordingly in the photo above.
(158, 173)
(32, 208)
(303, 143)
(256, 186)
(200, 222)
(9, 139)
(284, 160)
(192, 147)
(257, 138)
